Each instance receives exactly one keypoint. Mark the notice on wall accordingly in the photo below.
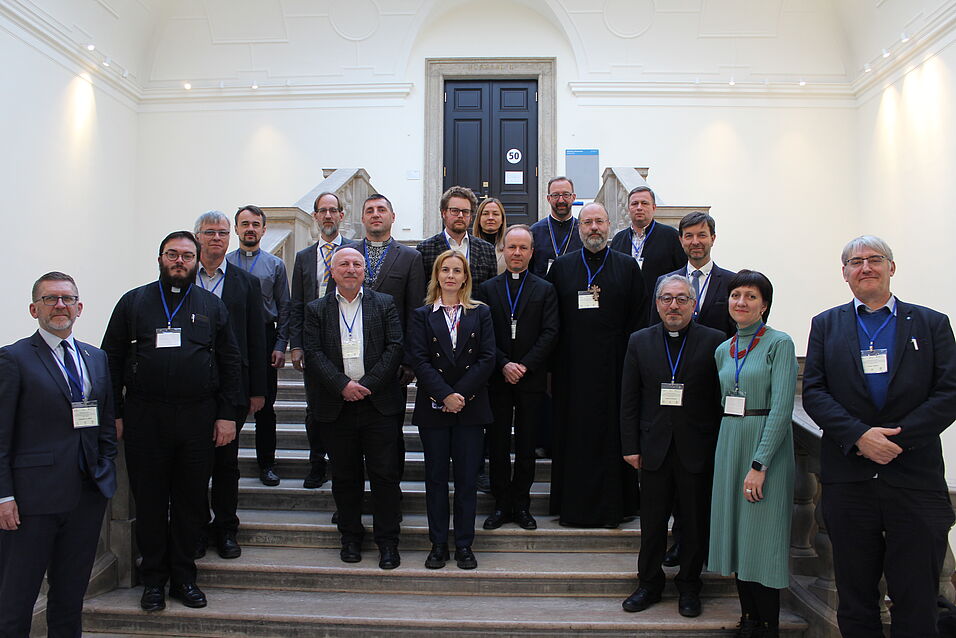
(514, 177)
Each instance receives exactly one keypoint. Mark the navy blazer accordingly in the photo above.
(662, 253)
(921, 398)
(305, 275)
(39, 447)
(442, 370)
(242, 294)
(714, 312)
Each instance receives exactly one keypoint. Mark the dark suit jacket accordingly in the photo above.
(242, 294)
(647, 427)
(482, 259)
(537, 333)
(662, 253)
(442, 370)
(714, 312)
(39, 447)
(324, 372)
(921, 398)
(401, 277)
(304, 285)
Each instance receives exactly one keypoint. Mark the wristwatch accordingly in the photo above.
(760, 467)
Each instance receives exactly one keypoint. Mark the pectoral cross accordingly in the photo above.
(595, 291)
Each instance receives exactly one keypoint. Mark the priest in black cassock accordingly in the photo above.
(601, 301)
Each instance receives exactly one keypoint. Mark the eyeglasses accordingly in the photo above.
(560, 195)
(873, 260)
(458, 212)
(214, 233)
(174, 255)
(327, 211)
(51, 300)
(682, 300)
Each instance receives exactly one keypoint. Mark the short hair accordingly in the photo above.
(374, 198)
(560, 178)
(434, 289)
(210, 217)
(866, 241)
(599, 205)
(643, 189)
(476, 227)
(695, 218)
(458, 191)
(675, 279)
(342, 247)
(338, 202)
(757, 280)
(54, 275)
(523, 227)
(181, 234)
(255, 210)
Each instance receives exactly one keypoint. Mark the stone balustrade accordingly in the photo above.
(618, 181)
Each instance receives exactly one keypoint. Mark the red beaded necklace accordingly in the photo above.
(753, 344)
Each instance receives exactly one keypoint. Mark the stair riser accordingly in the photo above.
(321, 500)
(298, 469)
(299, 440)
(296, 414)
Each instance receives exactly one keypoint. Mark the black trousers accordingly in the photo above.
(63, 546)
(877, 529)
(659, 489)
(169, 451)
(460, 444)
(224, 495)
(317, 447)
(266, 417)
(363, 440)
(510, 405)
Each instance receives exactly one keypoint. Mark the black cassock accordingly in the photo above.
(591, 485)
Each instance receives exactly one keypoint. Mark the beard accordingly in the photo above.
(167, 276)
(249, 243)
(595, 243)
(330, 230)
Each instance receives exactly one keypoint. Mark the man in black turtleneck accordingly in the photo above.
(556, 234)
(670, 415)
(600, 303)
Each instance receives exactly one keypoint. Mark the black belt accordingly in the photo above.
(762, 412)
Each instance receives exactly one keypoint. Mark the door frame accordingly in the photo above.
(437, 70)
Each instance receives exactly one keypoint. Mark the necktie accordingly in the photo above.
(696, 275)
(326, 256)
(76, 392)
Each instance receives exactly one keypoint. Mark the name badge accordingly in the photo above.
(586, 300)
(350, 350)
(550, 261)
(85, 414)
(874, 361)
(640, 262)
(168, 337)
(672, 394)
(514, 328)
(735, 405)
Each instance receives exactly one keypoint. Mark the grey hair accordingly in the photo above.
(675, 279)
(866, 241)
(211, 217)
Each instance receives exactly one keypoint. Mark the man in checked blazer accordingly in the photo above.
(458, 205)
(353, 347)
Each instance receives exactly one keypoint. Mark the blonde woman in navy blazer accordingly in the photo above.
(451, 346)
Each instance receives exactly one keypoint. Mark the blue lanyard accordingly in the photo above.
(673, 364)
(350, 326)
(514, 304)
(467, 248)
(591, 277)
(701, 293)
(213, 289)
(79, 368)
(564, 244)
(253, 265)
(878, 330)
(373, 270)
(738, 363)
(162, 295)
(639, 247)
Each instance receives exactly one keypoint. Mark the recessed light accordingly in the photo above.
(904, 36)
(803, 82)
(867, 68)
(732, 83)
(886, 53)
(255, 85)
(107, 62)
(187, 85)
(90, 47)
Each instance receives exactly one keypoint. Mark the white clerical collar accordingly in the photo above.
(251, 253)
(890, 304)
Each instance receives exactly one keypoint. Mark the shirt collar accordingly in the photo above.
(219, 269)
(890, 304)
(705, 269)
(342, 299)
(452, 242)
(335, 242)
(438, 306)
(54, 341)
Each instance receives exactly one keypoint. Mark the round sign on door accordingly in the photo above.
(513, 156)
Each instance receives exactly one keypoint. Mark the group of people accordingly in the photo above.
(669, 395)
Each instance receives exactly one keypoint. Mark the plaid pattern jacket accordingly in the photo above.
(481, 257)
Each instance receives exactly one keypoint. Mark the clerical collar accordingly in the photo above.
(679, 333)
(517, 275)
(890, 305)
(251, 253)
(599, 255)
(562, 222)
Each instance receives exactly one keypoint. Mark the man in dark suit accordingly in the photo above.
(311, 275)
(240, 291)
(353, 347)
(524, 310)
(557, 234)
(57, 451)
(880, 380)
(458, 204)
(670, 416)
(655, 246)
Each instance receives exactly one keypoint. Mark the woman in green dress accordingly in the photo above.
(754, 467)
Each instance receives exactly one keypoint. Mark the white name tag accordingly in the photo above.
(85, 414)
(874, 361)
(735, 406)
(514, 328)
(586, 300)
(168, 337)
(672, 394)
(350, 350)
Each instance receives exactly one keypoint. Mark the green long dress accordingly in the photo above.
(753, 539)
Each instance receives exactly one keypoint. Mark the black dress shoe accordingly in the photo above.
(269, 477)
(465, 558)
(227, 546)
(484, 483)
(188, 594)
(388, 557)
(335, 517)
(747, 627)
(437, 557)
(351, 552)
(525, 520)
(689, 605)
(153, 599)
(672, 557)
(496, 519)
(314, 480)
(640, 600)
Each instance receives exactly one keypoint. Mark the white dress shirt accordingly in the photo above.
(704, 280)
(349, 311)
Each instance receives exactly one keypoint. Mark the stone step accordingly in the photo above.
(272, 528)
(292, 381)
(290, 495)
(295, 614)
(294, 465)
(294, 412)
(292, 436)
